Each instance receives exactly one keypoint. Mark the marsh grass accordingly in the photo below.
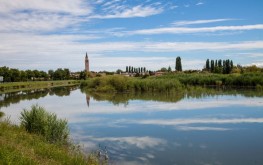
(210, 79)
(123, 84)
(39, 121)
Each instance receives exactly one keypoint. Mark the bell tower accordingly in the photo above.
(87, 63)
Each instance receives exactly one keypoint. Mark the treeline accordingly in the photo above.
(219, 66)
(15, 75)
(131, 69)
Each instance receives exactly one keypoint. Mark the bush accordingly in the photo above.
(39, 121)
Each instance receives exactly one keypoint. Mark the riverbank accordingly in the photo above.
(172, 82)
(17, 146)
(19, 86)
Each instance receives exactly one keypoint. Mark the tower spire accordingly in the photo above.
(87, 63)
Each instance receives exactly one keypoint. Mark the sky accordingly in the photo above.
(51, 34)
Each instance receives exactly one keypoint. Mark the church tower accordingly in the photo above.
(87, 63)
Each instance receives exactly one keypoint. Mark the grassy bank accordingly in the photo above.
(41, 138)
(18, 86)
(172, 82)
(203, 79)
(17, 146)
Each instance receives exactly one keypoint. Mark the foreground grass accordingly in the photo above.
(18, 86)
(17, 146)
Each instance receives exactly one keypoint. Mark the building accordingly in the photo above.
(87, 63)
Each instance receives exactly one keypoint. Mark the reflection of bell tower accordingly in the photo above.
(87, 63)
(87, 99)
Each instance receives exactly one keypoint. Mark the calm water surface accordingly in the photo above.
(201, 128)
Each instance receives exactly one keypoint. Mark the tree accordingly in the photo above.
(118, 71)
(66, 73)
(178, 64)
(212, 66)
(163, 69)
(207, 65)
(127, 69)
(169, 69)
(83, 75)
(51, 74)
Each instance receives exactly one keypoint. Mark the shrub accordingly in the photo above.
(1, 114)
(39, 121)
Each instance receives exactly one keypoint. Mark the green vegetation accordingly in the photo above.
(172, 82)
(131, 69)
(124, 84)
(15, 75)
(219, 66)
(207, 79)
(41, 122)
(2, 114)
(178, 64)
(18, 86)
(40, 139)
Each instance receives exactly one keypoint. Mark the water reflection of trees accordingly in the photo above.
(15, 97)
(174, 96)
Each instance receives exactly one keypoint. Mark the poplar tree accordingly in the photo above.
(178, 64)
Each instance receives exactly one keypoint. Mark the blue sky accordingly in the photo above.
(51, 34)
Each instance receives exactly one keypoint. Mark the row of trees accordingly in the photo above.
(219, 66)
(131, 69)
(15, 75)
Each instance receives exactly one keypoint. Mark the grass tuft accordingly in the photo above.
(39, 121)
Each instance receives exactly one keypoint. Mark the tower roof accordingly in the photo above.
(86, 55)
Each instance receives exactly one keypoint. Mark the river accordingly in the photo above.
(198, 127)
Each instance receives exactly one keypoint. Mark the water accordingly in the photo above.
(199, 128)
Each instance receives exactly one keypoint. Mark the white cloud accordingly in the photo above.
(188, 128)
(252, 55)
(76, 7)
(129, 12)
(199, 3)
(258, 64)
(183, 23)
(176, 122)
(187, 30)
(140, 142)
(41, 15)
(36, 51)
